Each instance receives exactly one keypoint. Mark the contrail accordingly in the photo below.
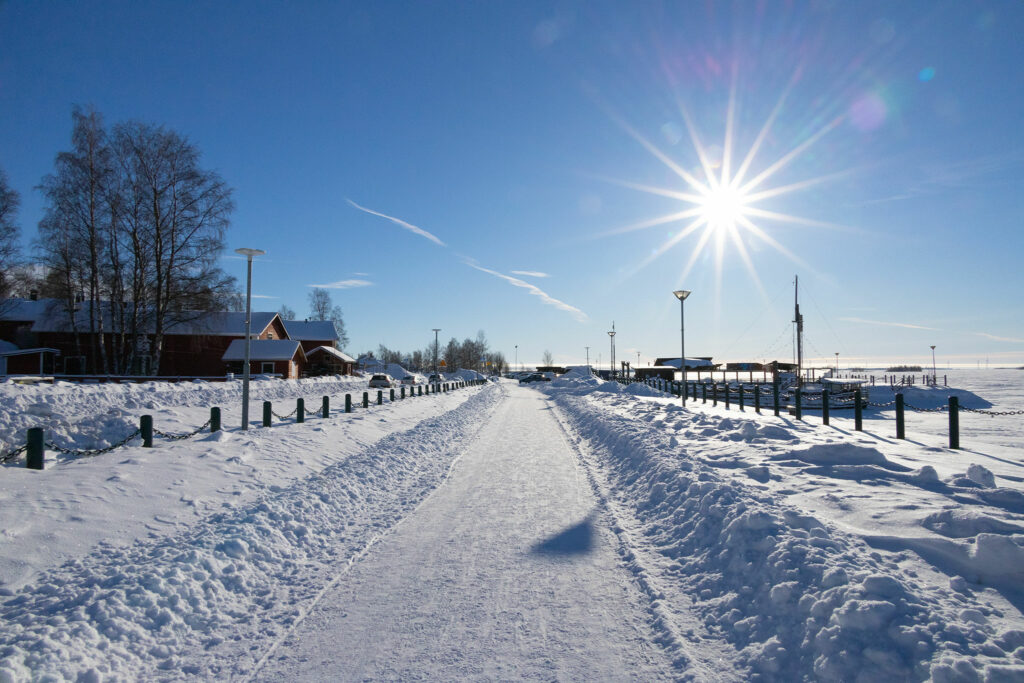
(536, 291)
(398, 221)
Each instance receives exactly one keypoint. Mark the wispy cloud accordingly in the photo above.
(264, 296)
(993, 337)
(398, 221)
(344, 284)
(536, 291)
(529, 273)
(888, 324)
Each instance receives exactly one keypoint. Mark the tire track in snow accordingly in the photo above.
(692, 663)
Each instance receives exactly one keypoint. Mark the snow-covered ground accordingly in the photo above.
(744, 546)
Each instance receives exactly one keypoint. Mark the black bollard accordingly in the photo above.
(858, 411)
(214, 419)
(954, 422)
(266, 413)
(366, 399)
(799, 407)
(704, 393)
(392, 399)
(300, 410)
(146, 427)
(34, 447)
(741, 398)
(380, 397)
(901, 431)
(348, 403)
(757, 399)
(325, 407)
(403, 392)
(725, 385)
(775, 397)
(824, 407)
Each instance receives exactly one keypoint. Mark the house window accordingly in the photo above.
(270, 335)
(267, 368)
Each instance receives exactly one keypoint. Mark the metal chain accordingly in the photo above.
(284, 417)
(926, 410)
(177, 437)
(992, 413)
(13, 454)
(94, 451)
(882, 405)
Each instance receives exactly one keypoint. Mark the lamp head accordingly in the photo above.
(244, 251)
(682, 294)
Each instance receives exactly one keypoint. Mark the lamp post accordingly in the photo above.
(588, 356)
(248, 254)
(517, 358)
(436, 330)
(837, 365)
(637, 363)
(611, 363)
(934, 372)
(681, 294)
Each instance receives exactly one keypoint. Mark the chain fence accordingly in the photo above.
(138, 433)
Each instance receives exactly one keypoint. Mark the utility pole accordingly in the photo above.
(798, 320)
(436, 330)
(588, 355)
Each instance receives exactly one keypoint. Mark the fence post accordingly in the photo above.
(146, 427)
(325, 409)
(266, 413)
(824, 407)
(380, 397)
(725, 385)
(348, 403)
(799, 405)
(741, 398)
(714, 394)
(214, 419)
(703, 392)
(366, 399)
(901, 432)
(775, 396)
(300, 410)
(421, 390)
(34, 448)
(757, 399)
(403, 392)
(392, 399)
(858, 411)
(954, 422)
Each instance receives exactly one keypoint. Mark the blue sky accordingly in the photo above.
(489, 166)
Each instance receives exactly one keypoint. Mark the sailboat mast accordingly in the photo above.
(798, 320)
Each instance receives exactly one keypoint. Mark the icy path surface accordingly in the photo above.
(508, 571)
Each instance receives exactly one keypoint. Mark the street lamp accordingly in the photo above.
(837, 365)
(637, 362)
(588, 357)
(611, 363)
(248, 254)
(516, 366)
(935, 375)
(681, 295)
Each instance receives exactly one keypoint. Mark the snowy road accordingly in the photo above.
(506, 571)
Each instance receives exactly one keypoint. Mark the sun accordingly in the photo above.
(722, 205)
(722, 208)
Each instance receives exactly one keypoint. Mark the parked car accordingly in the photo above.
(534, 377)
(435, 379)
(409, 379)
(381, 382)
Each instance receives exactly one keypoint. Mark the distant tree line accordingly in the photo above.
(470, 354)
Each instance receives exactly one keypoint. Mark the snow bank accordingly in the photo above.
(795, 598)
(142, 611)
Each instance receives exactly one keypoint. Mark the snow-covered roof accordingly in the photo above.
(6, 346)
(340, 355)
(263, 349)
(690, 363)
(49, 315)
(310, 330)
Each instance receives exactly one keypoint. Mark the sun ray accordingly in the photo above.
(752, 227)
(651, 189)
(792, 154)
(702, 155)
(796, 220)
(653, 222)
(737, 241)
(793, 187)
(661, 156)
(730, 119)
(764, 130)
(671, 242)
